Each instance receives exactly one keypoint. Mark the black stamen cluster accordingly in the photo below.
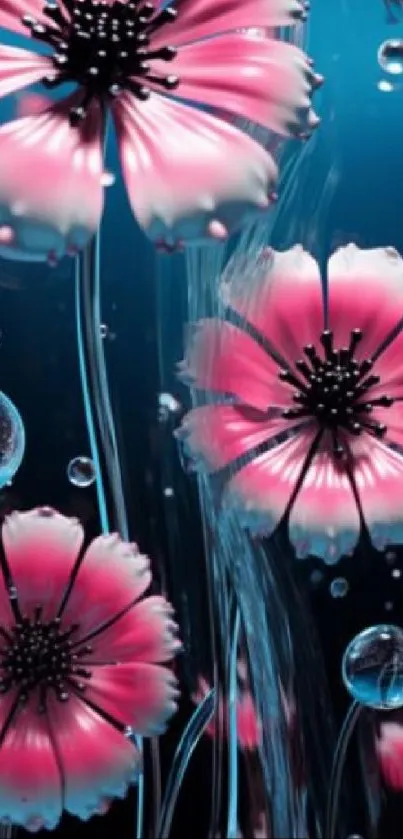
(334, 390)
(104, 48)
(38, 655)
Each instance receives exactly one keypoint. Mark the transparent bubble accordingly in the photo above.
(316, 578)
(81, 472)
(388, 605)
(104, 329)
(396, 573)
(391, 557)
(390, 56)
(339, 587)
(12, 440)
(373, 667)
(385, 87)
(168, 492)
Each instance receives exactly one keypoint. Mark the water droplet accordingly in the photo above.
(12, 440)
(108, 179)
(396, 573)
(81, 472)
(339, 587)
(390, 56)
(168, 492)
(168, 406)
(373, 667)
(104, 329)
(385, 87)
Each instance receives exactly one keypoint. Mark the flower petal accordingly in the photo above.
(222, 177)
(13, 11)
(141, 696)
(198, 19)
(112, 575)
(365, 292)
(222, 358)
(30, 782)
(98, 761)
(260, 79)
(41, 547)
(324, 519)
(20, 68)
(50, 184)
(378, 474)
(391, 417)
(216, 435)
(260, 492)
(146, 633)
(390, 754)
(280, 295)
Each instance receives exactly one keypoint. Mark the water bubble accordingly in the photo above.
(168, 492)
(391, 557)
(12, 440)
(372, 667)
(81, 472)
(316, 578)
(390, 56)
(396, 573)
(388, 605)
(339, 587)
(104, 330)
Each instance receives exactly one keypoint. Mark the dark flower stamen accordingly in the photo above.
(39, 655)
(334, 390)
(105, 49)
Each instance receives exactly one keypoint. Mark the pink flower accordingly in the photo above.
(80, 668)
(312, 433)
(189, 174)
(390, 754)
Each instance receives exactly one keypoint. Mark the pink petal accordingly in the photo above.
(324, 519)
(98, 761)
(215, 435)
(50, 184)
(257, 78)
(261, 491)
(378, 473)
(390, 754)
(248, 724)
(280, 295)
(20, 68)
(222, 177)
(112, 575)
(12, 12)
(30, 782)
(199, 19)
(366, 292)
(222, 358)
(141, 696)
(41, 547)
(391, 417)
(146, 633)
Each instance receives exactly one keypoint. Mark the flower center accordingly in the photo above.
(335, 390)
(42, 655)
(105, 48)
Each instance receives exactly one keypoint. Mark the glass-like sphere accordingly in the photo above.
(373, 667)
(12, 440)
(81, 472)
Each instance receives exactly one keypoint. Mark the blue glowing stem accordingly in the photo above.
(232, 824)
(187, 744)
(99, 417)
(339, 760)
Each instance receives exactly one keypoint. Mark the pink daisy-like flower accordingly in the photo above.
(389, 750)
(189, 174)
(312, 432)
(80, 668)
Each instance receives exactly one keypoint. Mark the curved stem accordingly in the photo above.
(338, 766)
(232, 825)
(99, 417)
